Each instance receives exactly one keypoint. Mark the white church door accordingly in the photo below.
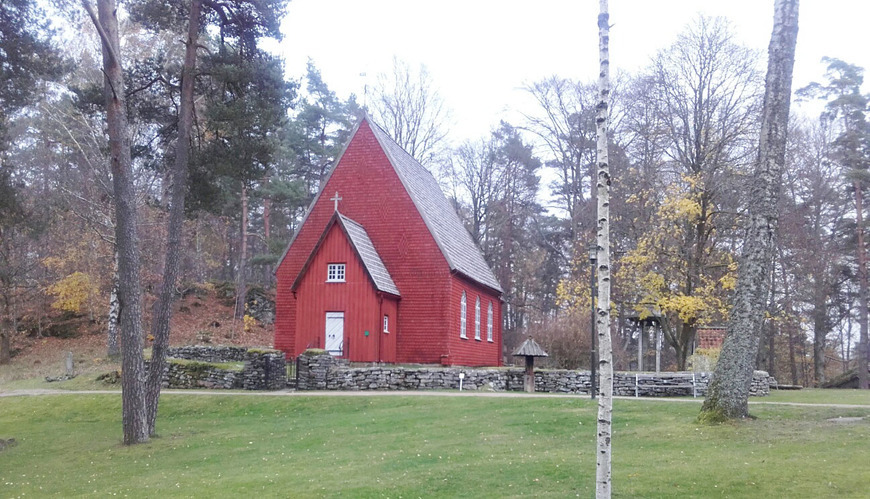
(334, 343)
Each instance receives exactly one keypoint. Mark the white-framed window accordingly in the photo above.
(386, 323)
(463, 317)
(489, 323)
(477, 319)
(335, 272)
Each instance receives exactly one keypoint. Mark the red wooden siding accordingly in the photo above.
(389, 307)
(356, 297)
(373, 195)
(468, 351)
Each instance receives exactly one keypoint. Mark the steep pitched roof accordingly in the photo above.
(365, 250)
(462, 254)
(372, 262)
(453, 239)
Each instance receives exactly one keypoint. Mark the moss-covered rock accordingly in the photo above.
(314, 351)
(264, 351)
(196, 366)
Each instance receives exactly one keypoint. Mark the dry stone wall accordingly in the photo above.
(198, 375)
(263, 369)
(202, 353)
(321, 371)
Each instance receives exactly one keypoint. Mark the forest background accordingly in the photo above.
(683, 143)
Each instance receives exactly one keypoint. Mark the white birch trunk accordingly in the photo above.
(728, 394)
(242, 278)
(605, 355)
(113, 346)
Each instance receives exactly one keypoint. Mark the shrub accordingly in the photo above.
(250, 322)
(72, 292)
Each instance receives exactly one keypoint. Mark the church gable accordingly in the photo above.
(371, 194)
(402, 229)
(340, 309)
(363, 253)
(333, 264)
(431, 206)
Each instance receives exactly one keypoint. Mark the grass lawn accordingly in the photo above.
(414, 446)
(817, 396)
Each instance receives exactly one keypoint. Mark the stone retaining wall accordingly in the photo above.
(264, 369)
(198, 375)
(203, 353)
(324, 372)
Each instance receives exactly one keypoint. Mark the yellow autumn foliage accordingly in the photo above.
(655, 272)
(249, 321)
(688, 308)
(72, 292)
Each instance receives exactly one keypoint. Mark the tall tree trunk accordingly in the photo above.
(771, 325)
(728, 394)
(820, 332)
(113, 346)
(5, 343)
(845, 343)
(126, 233)
(6, 330)
(863, 344)
(605, 347)
(268, 275)
(267, 212)
(792, 356)
(242, 278)
(684, 343)
(161, 314)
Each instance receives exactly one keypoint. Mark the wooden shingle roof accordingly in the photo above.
(372, 262)
(451, 236)
(530, 348)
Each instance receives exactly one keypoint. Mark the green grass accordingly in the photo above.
(818, 396)
(412, 446)
(83, 381)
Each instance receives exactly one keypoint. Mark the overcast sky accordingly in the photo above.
(480, 53)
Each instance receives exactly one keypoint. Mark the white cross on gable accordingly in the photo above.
(336, 198)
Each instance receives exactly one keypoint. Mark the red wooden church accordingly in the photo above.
(382, 269)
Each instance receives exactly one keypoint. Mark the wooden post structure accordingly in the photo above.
(530, 349)
(529, 378)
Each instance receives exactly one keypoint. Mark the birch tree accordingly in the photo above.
(602, 312)
(728, 394)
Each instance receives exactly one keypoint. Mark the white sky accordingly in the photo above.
(479, 53)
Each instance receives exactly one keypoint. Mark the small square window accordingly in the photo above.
(386, 323)
(335, 272)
